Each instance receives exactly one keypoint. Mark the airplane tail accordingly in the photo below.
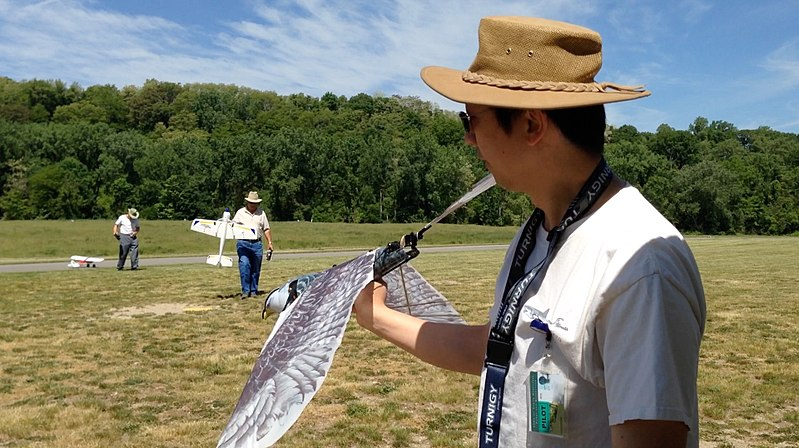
(219, 260)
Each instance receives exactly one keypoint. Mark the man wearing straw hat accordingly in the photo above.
(251, 252)
(594, 335)
(126, 230)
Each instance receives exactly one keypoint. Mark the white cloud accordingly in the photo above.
(267, 13)
(367, 46)
(66, 40)
(784, 64)
(694, 10)
(287, 46)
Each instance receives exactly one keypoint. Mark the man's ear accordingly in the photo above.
(536, 122)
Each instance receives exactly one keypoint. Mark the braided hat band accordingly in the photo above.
(547, 85)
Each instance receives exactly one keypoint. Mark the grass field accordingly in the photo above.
(158, 357)
(39, 241)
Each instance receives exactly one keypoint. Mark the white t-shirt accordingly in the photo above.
(255, 220)
(126, 225)
(625, 305)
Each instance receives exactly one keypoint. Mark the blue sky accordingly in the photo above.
(730, 60)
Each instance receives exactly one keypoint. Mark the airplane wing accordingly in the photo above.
(216, 228)
(242, 232)
(80, 258)
(299, 351)
(207, 226)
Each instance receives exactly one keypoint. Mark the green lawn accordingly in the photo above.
(158, 357)
(28, 241)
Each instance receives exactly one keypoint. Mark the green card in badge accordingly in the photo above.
(547, 414)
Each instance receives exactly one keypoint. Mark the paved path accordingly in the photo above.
(145, 262)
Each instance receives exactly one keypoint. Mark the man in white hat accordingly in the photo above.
(593, 339)
(251, 252)
(126, 230)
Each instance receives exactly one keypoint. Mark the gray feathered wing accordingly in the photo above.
(299, 351)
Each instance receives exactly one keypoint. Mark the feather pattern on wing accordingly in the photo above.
(297, 356)
(299, 351)
(412, 294)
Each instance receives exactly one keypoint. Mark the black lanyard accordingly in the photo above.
(500, 339)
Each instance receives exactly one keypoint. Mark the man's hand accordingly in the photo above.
(371, 297)
(116, 235)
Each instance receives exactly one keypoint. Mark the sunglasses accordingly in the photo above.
(466, 120)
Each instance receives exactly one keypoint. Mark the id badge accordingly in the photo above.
(547, 403)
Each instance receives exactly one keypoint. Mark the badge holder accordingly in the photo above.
(547, 399)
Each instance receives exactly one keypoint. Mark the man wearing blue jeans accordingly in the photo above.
(251, 252)
(126, 230)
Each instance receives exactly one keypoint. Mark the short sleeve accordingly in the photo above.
(237, 216)
(649, 338)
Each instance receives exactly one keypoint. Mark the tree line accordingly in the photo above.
(178, 151)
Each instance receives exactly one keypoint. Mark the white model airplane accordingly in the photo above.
(79, 261)
(223, 229)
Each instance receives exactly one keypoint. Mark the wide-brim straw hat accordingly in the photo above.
(252, 197)
(531, 63)
(133, 213)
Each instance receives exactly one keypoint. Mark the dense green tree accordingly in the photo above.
(706, 198)
(625, 133)
(51, 94)
(151, 104)
(14, 105)
(783, 212)
(634, 162)
(109, 99)
(332, 102)
(62, 190)
(81, 111)
(15, 203)
(241, 166)
(679, 147)
(210, 106)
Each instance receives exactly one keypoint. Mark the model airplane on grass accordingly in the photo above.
(313, 313)
(223, 229)
(79, 261)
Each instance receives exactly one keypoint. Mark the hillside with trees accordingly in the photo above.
(177, 151)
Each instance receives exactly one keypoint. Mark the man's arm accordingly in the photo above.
(456, 347)
(649, 434)
(115, 229)
(268, 235)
